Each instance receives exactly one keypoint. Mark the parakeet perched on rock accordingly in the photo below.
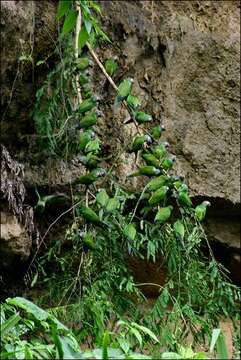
(167, 163)
(147, 171)
(163, 214)
(156, 131)
(87, 105)
(88, 120)
(111, 66)
(183, 196)
(133, 102)
(139, 142)
(84, 138)
(157, 183)
(160, 150)
(200, 210)
(124, 89)
(158, 196)
(91, 177)
(141, 117)
(151, 160)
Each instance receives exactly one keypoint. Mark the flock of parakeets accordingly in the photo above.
(155, 154)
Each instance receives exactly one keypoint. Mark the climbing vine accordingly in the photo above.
(112, 224)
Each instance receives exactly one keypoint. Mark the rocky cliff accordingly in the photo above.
(185, 58)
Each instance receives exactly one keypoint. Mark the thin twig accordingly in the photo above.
(111, 81)
(47, 231)
(77, 31)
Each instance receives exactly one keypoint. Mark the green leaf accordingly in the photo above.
(137, 335)
(70, 21)
(29, 307)
(215, 335)
(170, 355)
(88, 25)
(222, 347)
(130, 231)
(63, 7)
(105, 343)
(102, 197)
(145, 330)
(124, 345)
(83, 37)
(9, 324)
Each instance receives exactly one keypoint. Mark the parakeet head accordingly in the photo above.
(163, 128)
(166, 144)
(131, 80)
(206, 203)
(173, 158)
(184, 187)
(148, 139)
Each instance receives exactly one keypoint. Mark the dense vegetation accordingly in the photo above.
(88, 283)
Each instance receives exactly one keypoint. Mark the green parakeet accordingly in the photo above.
(177, 181)
(200, 210)
(167, 163)
(156, 131)
(160, 150)
(157, 183)
(163, 214)
(124, 89)
(133, 102)
(158, 196)
(89, 214)
(82, 63)
(147, 171)
(141, 117)
(84, 138)
(89, 241)
(90, 178)
(179, 230)
(88, 120)
(111, 66)
(151, 160)
(42, 201)
(87, 105)
(93, 146)
(183, 196)
(83, 79)
(90, 160)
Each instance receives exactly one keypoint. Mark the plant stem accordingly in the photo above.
(77, 31)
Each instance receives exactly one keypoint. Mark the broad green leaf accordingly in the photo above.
(124, 345)
(29, 307)
(146, 331)
(215, 335)
(130, 231)
(9, 324)
(170, 356)
(83, 37)
(63, 7)
(105, 343)
(102, 197)
(137, 335)
(88, 25)
(112, 205)
(70, 21)
(200, 356)
(222, 347)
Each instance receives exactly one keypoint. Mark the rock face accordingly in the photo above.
(15, 243)
(185, 58)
